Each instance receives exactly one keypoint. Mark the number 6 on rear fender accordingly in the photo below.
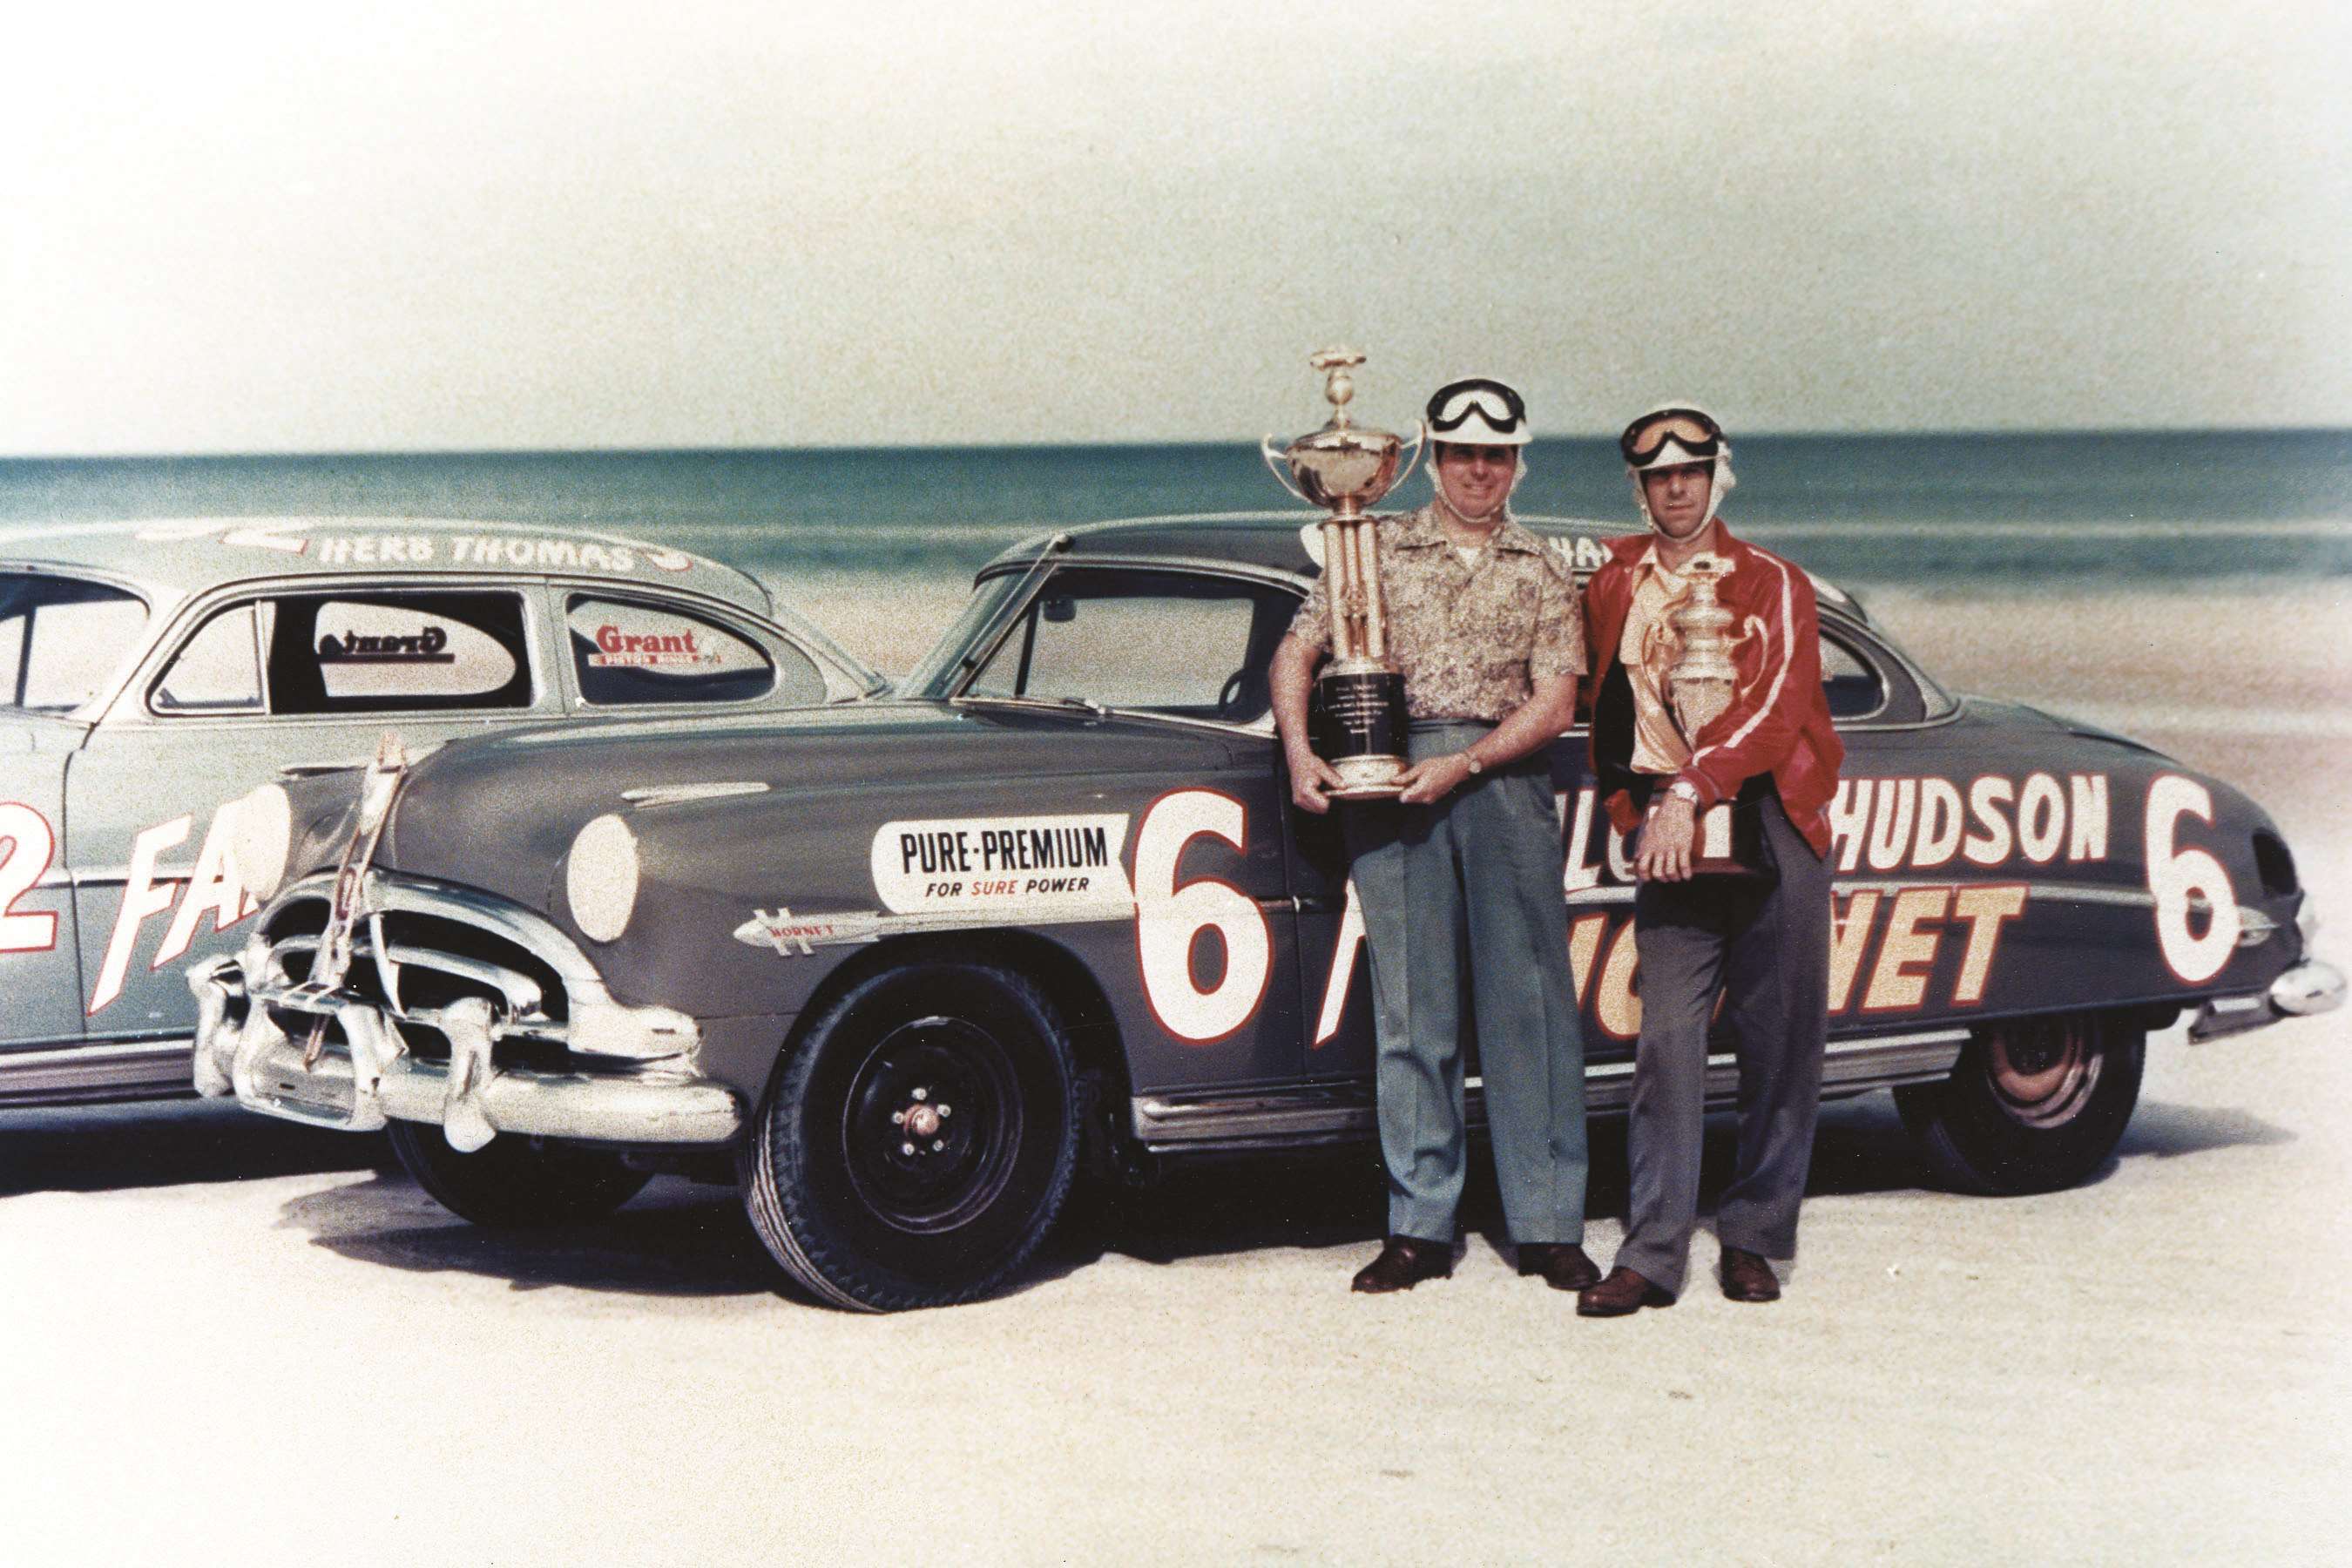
(1169, 919)
(27, 845)
(2177, 875)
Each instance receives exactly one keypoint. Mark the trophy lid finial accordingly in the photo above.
(1337, 385)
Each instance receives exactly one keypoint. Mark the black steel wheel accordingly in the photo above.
(514, 1182)
(920, 1141)
(2033, 1105)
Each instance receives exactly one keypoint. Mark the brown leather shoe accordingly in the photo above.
(1562, 1264)
(1403, 1263)
(1622, 1292)
(1748, 1277)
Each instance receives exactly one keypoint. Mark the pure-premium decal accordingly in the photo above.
(789, 933)
(1018, 865)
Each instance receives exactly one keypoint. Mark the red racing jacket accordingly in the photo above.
(1778, 721)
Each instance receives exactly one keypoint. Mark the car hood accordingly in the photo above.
(500, 813)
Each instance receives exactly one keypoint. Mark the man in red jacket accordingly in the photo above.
(1763, 936)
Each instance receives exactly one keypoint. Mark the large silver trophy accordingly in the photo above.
(1698, 688)
(1359, 718)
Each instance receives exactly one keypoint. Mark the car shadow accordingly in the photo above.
(676, 1239)
(158, 1143)
(679, 1239)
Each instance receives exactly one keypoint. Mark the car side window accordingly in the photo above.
(218, 670)
(631, 651)
(1852, 684)
(1187, 644)
(60, 639)
(395, 651)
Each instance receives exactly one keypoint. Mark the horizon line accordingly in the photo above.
(846, 449)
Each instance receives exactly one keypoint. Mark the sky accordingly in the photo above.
(499, 225)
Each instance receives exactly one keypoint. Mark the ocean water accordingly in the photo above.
(1935, 514)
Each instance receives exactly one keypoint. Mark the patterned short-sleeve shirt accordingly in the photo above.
(1472, 638)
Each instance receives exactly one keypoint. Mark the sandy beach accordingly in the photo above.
(237, 1342)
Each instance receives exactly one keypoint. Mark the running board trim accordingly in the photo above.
(139, 1070)
(1335, 1113)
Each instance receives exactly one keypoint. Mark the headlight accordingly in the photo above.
(600, 879)
(261, 831)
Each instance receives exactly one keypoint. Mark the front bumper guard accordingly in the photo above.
(241, 1049)
(2312, 985)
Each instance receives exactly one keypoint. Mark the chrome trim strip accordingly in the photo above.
(1324, 1113)
(76, 1070)
(2042, 892)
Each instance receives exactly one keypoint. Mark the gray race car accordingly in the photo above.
(893, 967)
(150, 671)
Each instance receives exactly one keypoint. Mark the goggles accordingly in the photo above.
(1499, 409)
(1695, 432)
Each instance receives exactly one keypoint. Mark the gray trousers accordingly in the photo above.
(1767, 943)
(1465, 923)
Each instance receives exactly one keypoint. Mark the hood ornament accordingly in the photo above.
(378, 789)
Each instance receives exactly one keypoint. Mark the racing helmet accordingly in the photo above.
(1670, 435)
(1477, 411)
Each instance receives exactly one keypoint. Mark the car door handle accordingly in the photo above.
(313, 770)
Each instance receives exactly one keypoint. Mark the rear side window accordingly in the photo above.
(396, 652)
(61, 638)
(1853, 684)
(626, 651)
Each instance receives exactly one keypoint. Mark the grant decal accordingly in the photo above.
(430, 645)
(617, 649)
(1015, 864)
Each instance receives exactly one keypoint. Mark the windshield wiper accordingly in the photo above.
(1060, 704)
(985, 644)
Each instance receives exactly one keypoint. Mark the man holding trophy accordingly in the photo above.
(1448, 815)
(1711, 737)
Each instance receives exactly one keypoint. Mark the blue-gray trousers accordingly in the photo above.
(1765, 943)
(1466, 925)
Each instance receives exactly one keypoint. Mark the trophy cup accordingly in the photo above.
(1699, 689)
(1359, 723)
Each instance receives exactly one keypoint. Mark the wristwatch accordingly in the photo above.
(1683, 790)
(1476, 767)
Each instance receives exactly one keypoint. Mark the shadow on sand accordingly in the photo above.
(683, 1240)
(160, 1143)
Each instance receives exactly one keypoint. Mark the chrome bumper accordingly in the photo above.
(2312, 985)
(649, 1093)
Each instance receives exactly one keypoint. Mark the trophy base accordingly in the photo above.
(1726, 844)
(1358, 719)
(1368, 778)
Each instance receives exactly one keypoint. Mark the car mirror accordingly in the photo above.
(1061, 609)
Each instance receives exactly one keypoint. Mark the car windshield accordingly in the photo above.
(61, 638)
(945, 664)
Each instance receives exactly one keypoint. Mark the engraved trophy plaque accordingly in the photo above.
(1358, 720)
(1698, 689)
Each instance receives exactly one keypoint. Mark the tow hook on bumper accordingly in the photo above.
(240, 1049)
(2312, 985)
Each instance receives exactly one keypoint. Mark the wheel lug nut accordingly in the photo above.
(946, 1110)
(905, 1148)
(897, 1118)
(922, 1094)
(938, 1144)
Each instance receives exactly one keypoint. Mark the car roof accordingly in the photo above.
(1273, 542)
(173, 558)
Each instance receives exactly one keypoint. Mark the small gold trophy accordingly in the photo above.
(1699, 689)
(1360, 714)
